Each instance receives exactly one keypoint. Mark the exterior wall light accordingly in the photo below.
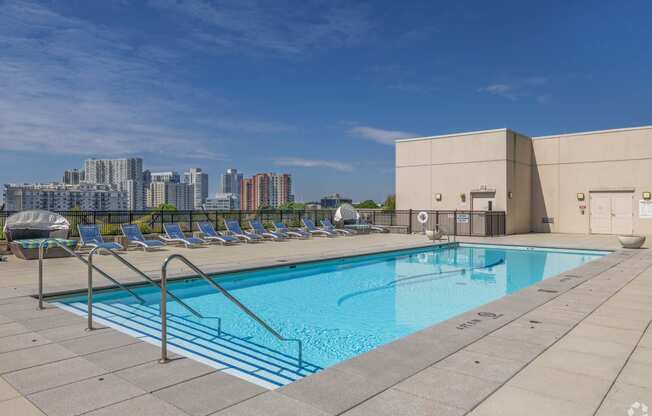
(580, 196)
(510, 194)
(647, 195)
(437, 197)
(463, 197)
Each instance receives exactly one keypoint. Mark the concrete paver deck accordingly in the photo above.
(574, 344)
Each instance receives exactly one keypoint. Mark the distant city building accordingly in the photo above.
(170, 176)
(135, 194)
(266, 190)
(199, 180)
(147, 178)
(181, 195)
(124, 175)
(230, 182)
(61, 197)
(73, 177)
(223, 202)
(312, 205)
(247, 194)
(334, 201)
(113, 171)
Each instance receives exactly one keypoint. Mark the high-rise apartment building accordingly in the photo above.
(170, 176)
(223, 202)
(113, 171)
(230, 182)
(181, 195)
(266, 190)
(73, 177)
(199, 180)
(247, 194)
(124, 175)
(60, 197)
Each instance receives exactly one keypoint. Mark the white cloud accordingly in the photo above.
(68, 86)
(502, 90)
(519, 88)
(379, 135)
(256, 26)
(311, 163)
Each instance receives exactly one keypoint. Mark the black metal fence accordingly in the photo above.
(462, 223)
(476, 223)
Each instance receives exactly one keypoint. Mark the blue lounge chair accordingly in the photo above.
(328, 226)
(133, 235)
(211, 235)
(233, 227)
(313, 230)
(173, 234)
(257, 228)
(283, 229)
(89, 236)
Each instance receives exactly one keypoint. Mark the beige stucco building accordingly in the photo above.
(594, 182)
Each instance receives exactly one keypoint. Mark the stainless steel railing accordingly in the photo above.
(80, 258)
(92, 267)
(134, 269)
(229, 296)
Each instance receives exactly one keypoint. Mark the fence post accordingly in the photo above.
(131, 217)
(410, 221)
(190, 222)
(455, 222)
(470, 223)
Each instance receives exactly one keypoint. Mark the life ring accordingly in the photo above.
(422, 217)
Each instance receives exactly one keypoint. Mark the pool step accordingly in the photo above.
(261, 365)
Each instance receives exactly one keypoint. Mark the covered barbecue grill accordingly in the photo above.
(25, 231)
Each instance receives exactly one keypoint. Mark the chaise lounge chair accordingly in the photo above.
(173, 234)
(89, 236)
(282, 229)
(233, 227)
(257, 228)
(310, 227)
(211, 235)
(133, 235)
(328, 226)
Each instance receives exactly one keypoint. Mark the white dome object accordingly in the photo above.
(36, 220)
(346, 212)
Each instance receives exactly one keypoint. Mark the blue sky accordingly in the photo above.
(317, 89)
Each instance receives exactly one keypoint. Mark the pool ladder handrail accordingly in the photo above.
(80, 258)
(134, 269)
(92, 267)
(229, 296)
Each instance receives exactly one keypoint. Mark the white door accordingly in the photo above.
(621, 214)
(611, 213)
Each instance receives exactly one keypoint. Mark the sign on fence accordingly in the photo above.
(463, 218)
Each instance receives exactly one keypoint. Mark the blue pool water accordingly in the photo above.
(338, 308)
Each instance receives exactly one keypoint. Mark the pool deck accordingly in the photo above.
(575, 344)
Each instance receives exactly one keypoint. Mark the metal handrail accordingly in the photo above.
(134, 269)
(80, 258)
(229, 296)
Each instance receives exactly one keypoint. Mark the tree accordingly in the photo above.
(291, 206)
(390, 203)
(367, 204)
(165, 207)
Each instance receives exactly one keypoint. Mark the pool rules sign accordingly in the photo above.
(645, 209)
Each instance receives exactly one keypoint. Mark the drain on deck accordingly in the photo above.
(547, 291)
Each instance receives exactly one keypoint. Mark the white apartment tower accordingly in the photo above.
(199, 180)
(119, 174)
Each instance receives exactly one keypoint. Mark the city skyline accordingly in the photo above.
(319, 93)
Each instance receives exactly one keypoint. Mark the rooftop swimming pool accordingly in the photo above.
(337, 308)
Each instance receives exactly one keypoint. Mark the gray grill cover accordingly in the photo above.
(36, 224)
